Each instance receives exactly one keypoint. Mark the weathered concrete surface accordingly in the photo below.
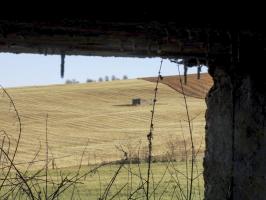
(218, 155)
(122, 37)
(235, 160)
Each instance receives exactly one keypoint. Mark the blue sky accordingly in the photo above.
(34, 69)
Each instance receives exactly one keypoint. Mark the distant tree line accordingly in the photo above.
(113, 78)
(101, 79)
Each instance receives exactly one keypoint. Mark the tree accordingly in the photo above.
(68, 81)
(114, 78)
(100, 79)
(73, 81)
(89, 80)
(125, 77)
(106, 78)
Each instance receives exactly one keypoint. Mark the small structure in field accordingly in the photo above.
(136, 102)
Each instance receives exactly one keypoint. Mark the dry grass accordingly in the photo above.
(98, 112)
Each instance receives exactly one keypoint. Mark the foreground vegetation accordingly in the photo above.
(91, 182)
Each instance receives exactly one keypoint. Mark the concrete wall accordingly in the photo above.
(235, 160)
(218, 155)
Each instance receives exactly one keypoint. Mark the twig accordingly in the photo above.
(105, 194)
(191, 136)
(118, 192)
(19, 174)
(46, 162)
(80, 164)
(19, 135)
(150, 135)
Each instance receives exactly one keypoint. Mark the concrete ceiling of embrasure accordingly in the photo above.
(139, 38)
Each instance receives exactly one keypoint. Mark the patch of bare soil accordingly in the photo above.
(194, 87)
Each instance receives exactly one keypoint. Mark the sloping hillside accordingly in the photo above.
(195, 87)
(98, 114)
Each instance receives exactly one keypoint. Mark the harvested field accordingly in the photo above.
(100, 114)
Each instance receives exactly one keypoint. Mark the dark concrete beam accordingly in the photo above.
(118, 38)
